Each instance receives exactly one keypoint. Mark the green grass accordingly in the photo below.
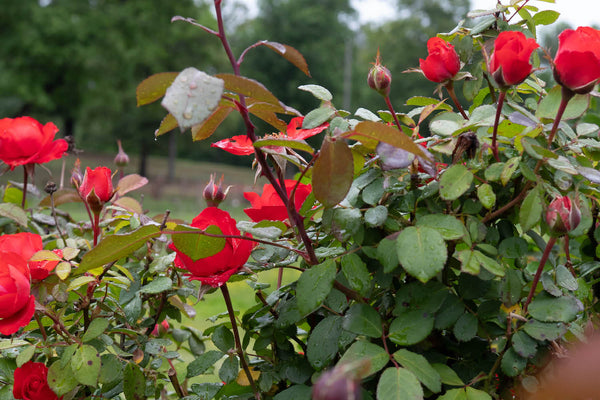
(181, 195)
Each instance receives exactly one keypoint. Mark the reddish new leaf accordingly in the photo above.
(130, 182)
(269, 117)
(247, 87)
(290, 54)
(166, 125)
(210, 125)
(154, 87)
(333, 172)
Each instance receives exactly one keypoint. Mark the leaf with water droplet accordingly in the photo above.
(192, 97)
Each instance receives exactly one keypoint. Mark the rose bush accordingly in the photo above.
(413, 255)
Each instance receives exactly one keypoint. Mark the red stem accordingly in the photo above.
(501, 98)
(391, 108)
(25, 177)
(538, 273)
(238, 343)
(450, 88)
(96, 227)
(567, 95)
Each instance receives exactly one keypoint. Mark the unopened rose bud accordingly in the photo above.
(160, 329)
(213, 192)
(380, 78)
(337, 384)
(121, 159)
(562, 216)
(76, 175)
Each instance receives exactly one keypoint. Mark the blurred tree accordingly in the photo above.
(78, 63)
(319, 30)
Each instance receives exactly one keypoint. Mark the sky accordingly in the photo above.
(574, 12)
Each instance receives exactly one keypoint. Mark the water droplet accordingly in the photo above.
(187, 115)
(193, 85)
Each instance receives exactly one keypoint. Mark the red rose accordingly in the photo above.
(509, 64)
(24, 141)
(577, 61)
(442, 63)
(31, 382)
(26, 245)
(216, 269)
(97, 188)
(269, 205)
(240, 145)
(17, 305)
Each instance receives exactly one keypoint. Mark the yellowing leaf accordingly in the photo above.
(63, 269)
(333, 172)
(44, 255)
(242, 378)
(154, 87)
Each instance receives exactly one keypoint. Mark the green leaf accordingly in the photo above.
(333, 172)
(387, 255)
(114, 247)
(421, 251)
(111, 369)
(548, 107)
(509, 169)
(454, 394)
(420, 367)
(134, 382)
(512, 364)
(85, 365)
(448, 375)
(314, 285)
(318, 91)
(426, 101)
(465, 328)
(317, 117)
(25, 355)
(95, 329)
(455, 181)
(545, 330)
(158, 285)
(362, 319)
(281, 142)
(565, 278)
(468, 262)
(411, 327)
(530, 212)
(197, 246)
(296, 392)
(489, 263)
(446, 123)
(546, 308)
(247, 87)
(61, 380)
(357, 274)
(14, 212)
(229, 369)
(524, 345)
(545, 17)
(223, 339)
(322, 343)
(203, 363)
(374, 356)
(370, 132)
(79, 282)
(447, 225)
(376, 216)
(486, 195)
(476, 394)
(398, 384)
(154, 87)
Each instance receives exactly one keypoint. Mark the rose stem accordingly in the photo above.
(25, 177)
(567, 94)
(96, 227)
(538, 273)
(238, 343)
(501, 98)
(56, 219)
(450, 88)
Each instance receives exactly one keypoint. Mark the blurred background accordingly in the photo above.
(77, 63)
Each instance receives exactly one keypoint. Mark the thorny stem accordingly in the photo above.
(180, 390)
(391, 108)
(450, 88)
(42, 329)
(385, 346)
(538, 273)
(96, 227)
(564, 100)
(238, 343)
(56, 219)
(25, 177)
(501, 98)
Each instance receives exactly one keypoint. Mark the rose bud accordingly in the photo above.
(76, 175)
(379, 78)
(337, 384)
(562, 215)
(96, 188)
(121, 159)
(442, 63)
(509, 64)
(213, 192)
(577, 61)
